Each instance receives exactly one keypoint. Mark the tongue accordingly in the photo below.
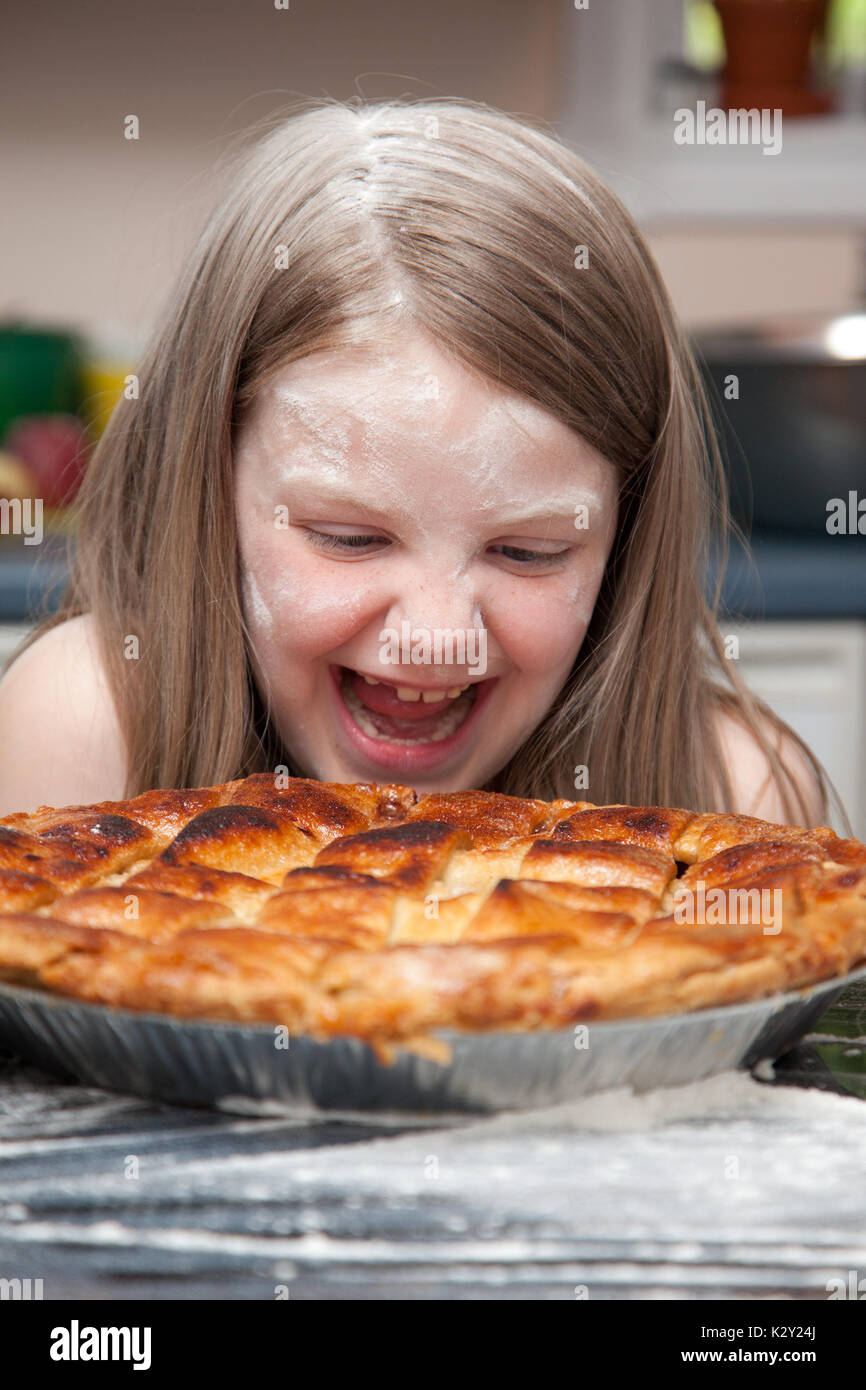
(382, 700)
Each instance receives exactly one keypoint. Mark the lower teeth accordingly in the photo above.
(450, 719)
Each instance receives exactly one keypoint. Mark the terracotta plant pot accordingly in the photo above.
(768, 45)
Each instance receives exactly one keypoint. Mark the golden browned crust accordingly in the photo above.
(367, 910)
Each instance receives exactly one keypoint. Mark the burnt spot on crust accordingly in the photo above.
(164, 811)
(418, 834)
(13, 838)
(268, 844)
(327, 810)
(310, 805)
(612, 850)
(849, 879)
(321, 808)
(23, 890)
(409, 854)
(75, 848)
(752, 857)
(19, 850)
(112, 831)
(651, 821)
(651, 827)
(217, 822)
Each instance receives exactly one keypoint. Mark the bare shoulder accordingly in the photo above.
(60, 740)
(756, 791)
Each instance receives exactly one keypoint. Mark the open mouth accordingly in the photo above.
(403, 714)
(391, 722)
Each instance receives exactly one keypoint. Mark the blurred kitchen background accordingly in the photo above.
(765, 255)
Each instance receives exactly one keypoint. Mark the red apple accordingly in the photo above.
(56, 449)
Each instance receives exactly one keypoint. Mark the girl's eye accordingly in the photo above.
(326, 541)
(531, 557)
(329, 542)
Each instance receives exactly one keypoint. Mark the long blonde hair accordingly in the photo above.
(478, 218)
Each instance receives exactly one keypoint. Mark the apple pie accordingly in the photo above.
(371, 911)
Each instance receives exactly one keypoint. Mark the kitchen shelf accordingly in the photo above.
(817, 178)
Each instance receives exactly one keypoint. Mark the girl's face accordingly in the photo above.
(409, 531)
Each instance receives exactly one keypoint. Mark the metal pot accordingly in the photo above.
(794, 434)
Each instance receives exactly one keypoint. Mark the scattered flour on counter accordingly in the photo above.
(729, 1095)
(719, 1183)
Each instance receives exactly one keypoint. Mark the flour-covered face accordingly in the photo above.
(421, 552)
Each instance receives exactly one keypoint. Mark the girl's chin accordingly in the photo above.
(381, 747)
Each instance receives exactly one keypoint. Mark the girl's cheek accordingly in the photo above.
(539, 627)
(302, 605)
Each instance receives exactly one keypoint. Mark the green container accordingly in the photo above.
(40, 373)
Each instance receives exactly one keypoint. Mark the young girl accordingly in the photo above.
(420, 377)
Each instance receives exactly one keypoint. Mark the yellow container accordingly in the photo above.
(103, 382)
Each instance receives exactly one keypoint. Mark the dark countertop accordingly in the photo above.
(793, 576)
(733, 1187)
(31, 577)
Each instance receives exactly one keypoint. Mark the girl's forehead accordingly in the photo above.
(349, 409)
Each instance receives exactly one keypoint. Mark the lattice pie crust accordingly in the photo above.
(368, 910)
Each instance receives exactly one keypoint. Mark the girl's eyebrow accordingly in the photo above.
(320, 492)
(557, 510)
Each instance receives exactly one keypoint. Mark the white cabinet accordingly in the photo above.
(813, 675)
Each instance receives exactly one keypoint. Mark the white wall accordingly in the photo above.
(732, 274)
(94, 226)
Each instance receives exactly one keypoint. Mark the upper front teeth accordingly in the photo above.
(406, 692)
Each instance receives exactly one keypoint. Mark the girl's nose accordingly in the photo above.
(437, 604)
